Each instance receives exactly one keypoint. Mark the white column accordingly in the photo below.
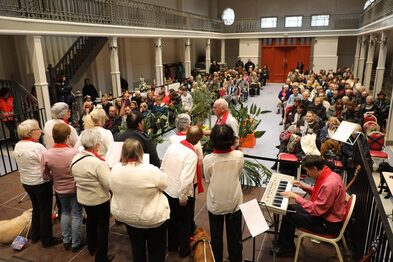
(357, 54)
(187, 58)
(115, 69)
(222, 51)
(159, 67)
(369, 62)
(207, 55)
(383, 51)
(362, 58)
(40, 82)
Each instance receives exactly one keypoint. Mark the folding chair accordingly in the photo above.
(303, 233)
(369, 117)
(376, 141)
(370, 126)
(291, 158)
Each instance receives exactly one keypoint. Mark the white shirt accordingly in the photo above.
(232, 122)
(187, 101)
(107, 139)
(48, 139)
(28, 156)
(178, 138)
(137, 198)
(222, 172)
(179, 163)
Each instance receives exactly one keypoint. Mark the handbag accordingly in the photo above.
(21, 241)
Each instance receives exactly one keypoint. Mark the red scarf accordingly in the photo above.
(320, 180)
(217, 151)
(198, 166)
(60, 145)
(223, 119)
(30, 139)
(96, 154)
(182, 133)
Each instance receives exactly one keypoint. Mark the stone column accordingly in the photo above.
(369, 62)
(207, 55)
(115, 69)
(159, 67)
(357, 54)
(222, 51)
(187, 58)
(383, 50)
(40, 81)
(362, 58)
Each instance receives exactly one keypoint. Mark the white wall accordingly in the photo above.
(249, 49)
(324, 54)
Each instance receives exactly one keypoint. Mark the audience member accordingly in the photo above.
(89, 90)
(114, 121)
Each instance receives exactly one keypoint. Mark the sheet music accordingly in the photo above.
(113, 155)
(254, 218)
(344, 132)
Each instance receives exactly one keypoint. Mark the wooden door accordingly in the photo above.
(282, 55)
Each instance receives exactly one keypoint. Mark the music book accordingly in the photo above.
(254, 218)
(344, 133)
(113, 155)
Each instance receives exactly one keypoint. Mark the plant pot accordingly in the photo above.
(249, 141)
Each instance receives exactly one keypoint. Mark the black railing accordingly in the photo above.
(370, 220)
(8, 140)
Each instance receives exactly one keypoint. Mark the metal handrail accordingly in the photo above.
(133, 13)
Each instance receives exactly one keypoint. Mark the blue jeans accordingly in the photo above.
(71, 229)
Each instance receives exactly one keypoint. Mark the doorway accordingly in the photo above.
(281, 55)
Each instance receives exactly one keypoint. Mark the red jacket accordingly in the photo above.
(7, 108)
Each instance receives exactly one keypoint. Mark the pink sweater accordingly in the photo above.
(55, 164)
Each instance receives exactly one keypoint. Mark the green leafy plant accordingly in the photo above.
(247, 117)
(202, 101)
(254, 174)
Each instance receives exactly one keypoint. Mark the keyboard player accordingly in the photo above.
(322, 214)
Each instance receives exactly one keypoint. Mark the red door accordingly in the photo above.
(282, 55)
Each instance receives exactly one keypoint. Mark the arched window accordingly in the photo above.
(368, 3)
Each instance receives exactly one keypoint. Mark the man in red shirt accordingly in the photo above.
(322, 214)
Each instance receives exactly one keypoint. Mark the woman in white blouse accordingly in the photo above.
(96, 120)
(138, 201)
(28, 152)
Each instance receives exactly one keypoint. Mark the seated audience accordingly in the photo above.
(114, 121)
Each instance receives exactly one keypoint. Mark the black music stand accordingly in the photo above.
(255, 222)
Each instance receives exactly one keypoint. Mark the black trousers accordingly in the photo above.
(11, 125)
(97, 229)
(300, 218)
(233, 225)
(41, 200)
(179, 226)
(154, 238)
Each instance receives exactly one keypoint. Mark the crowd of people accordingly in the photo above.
(160, 217)
(313, 105)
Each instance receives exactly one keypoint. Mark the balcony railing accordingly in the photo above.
(133, 13)
(377, 10)
(115, 12)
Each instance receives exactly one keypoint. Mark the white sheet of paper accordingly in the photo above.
(254, 218)
(344, 131)
(113, 154)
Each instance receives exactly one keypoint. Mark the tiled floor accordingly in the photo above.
(11, 191)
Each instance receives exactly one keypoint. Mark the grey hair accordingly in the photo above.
(90, 138)
(182, 122)
(59, 110)
(26, 128)
(222, 102)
